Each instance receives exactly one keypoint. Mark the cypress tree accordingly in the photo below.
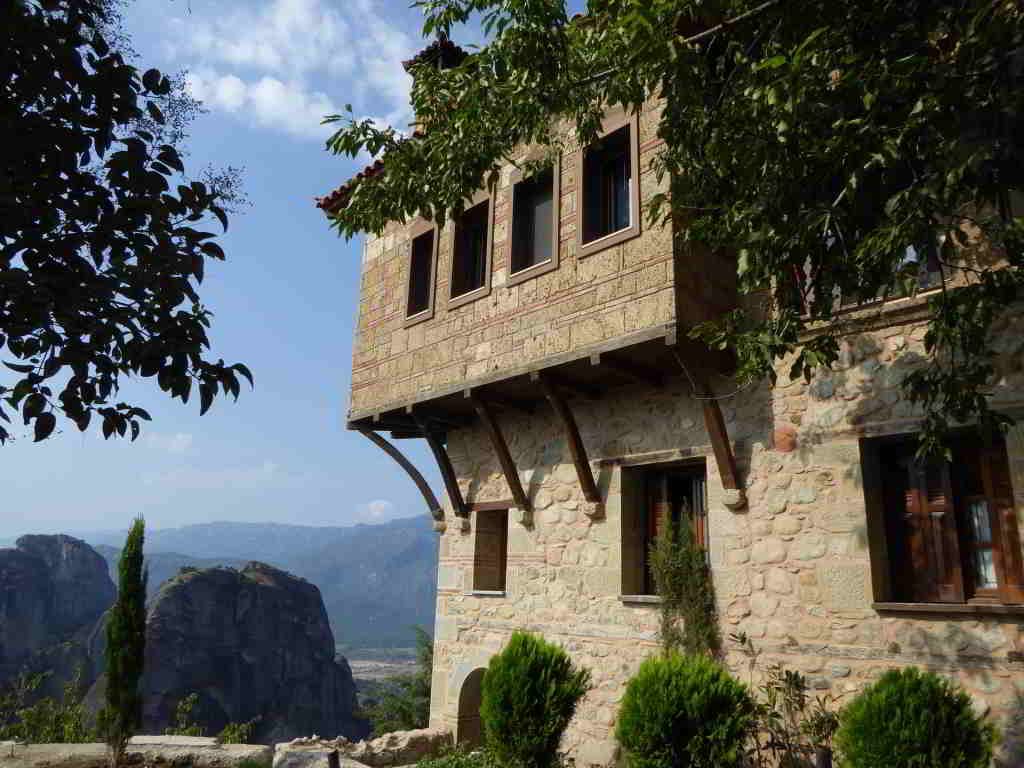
(126, 647)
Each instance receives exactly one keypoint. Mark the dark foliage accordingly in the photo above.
(103, 237)
(126, 648)
(406, 705)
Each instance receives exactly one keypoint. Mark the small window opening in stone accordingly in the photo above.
(469, 270)
(421, 267)
(533, 221)
(649, 493)
(607, 178)
(490, 555)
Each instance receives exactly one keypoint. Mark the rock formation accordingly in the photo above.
(252, 643)
(52, 591)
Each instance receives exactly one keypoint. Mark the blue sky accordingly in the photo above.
(284, 302)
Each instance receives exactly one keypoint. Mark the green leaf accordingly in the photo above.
(44, 426)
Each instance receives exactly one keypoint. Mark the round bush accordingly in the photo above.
(528, 697)
(684, 712)
(913, 719)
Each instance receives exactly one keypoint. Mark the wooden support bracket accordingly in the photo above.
(436, 510)
(508, 467)
(579, 453)
(444, 465)
(735, 497)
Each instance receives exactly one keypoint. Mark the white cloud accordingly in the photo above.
(263, 60)
(178, 443)
(375, 511)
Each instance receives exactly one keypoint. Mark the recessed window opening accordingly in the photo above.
(951, 533)
(490, 553)
(421, 269)
(533, 221)
(607, 179)
(469, 268)
(649, 494)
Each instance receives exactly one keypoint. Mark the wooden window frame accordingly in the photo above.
(535, 270)
(477, 293)
(611, 124)
(1008, 597)
(502, 567)
(419, 229)
(639, 519)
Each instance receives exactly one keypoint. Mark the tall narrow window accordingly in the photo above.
(649, 495)
(490, 553)
(950, 526)
(607, 176)
(533, 221)
(421, 274)
(470, 259)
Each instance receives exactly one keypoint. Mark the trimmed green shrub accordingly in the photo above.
(684, 712)
(529, 694)
(914, 719)
(459, 757)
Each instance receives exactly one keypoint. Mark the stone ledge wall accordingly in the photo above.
(611, 293)
(792, 570)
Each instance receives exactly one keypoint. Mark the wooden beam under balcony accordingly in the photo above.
(508, 466)
(572, 434)
(722, 448)
(634, 372)
(567, 384)
(436, 510)
(504, 403)
(444, 466)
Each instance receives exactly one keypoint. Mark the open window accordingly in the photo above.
(649, 493)
(943, 532)
(471, 254)
(490, 551)
(419, 303)
(535, 219)
(609, 188)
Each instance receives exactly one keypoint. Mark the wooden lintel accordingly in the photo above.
(444, 465)
(491, 506)
(720, 445)
(508, 467)
(565, 383)
(572, 434)
(638, 374)
(436, 510)
(505, 403)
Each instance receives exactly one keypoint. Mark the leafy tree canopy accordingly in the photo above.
(103, 237)
(830, 146)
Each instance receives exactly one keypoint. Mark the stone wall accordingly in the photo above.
(621, 290)
(792, 570)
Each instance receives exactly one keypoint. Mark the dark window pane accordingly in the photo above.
(607, 171)
(470, 267)
(421, 265)
(532, 222)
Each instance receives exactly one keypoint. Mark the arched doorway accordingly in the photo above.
(469, 731)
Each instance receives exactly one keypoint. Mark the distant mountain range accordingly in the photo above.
(377, 581)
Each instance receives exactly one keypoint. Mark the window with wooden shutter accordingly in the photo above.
(951, 533)
(490, 553)
(650, 494)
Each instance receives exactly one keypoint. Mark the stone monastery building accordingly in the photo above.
(539, 343)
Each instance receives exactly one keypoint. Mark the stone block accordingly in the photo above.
(845, 587)
(597, 754)
(769, 550)
(314, 755)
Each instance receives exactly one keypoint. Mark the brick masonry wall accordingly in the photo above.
(792, 570)
(622, 289)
